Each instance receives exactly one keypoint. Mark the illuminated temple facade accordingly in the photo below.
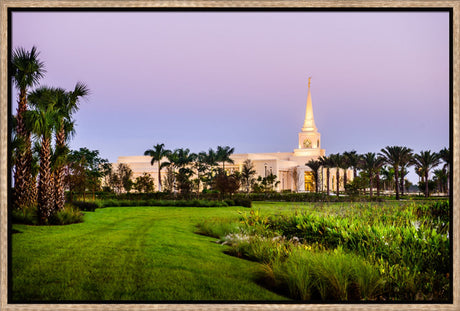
(289, 167)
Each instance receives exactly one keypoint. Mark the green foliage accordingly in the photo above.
(144, 183)
(26, 215)
(85, 206)
(68, 215)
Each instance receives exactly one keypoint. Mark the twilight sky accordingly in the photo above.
(202, 79)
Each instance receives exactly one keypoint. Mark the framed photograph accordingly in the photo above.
(217, 155)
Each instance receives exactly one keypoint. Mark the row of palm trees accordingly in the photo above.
(187, 163)
(397, 157)
(41, 114)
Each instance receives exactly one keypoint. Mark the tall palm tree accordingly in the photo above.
(393, 156)
(326, 163)
(406, 161)
(247, 172)
(157, 153)
(42, 120)
(353, 159)
(344, 164)
(445, 156)
(223, 155)
(211, 161)
(67, 105)
(314, 165)
(336, 160)
(26, 71)
(425, 161)
(201, 167)
(371, 164)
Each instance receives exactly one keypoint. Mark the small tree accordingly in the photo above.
(227, 184)
(247, 174)
(144, 183)
(125, 174)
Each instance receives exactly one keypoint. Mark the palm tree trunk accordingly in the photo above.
(337, 175)
(427, 193)
(378, 184)
(45, 189)
(402, 182)
(22, 172)
(59, 174)
(397, 182)
(344, 177)
(159, 176)
(327, 178)
(370, 185)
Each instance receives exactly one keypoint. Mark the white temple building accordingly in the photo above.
(289, 167)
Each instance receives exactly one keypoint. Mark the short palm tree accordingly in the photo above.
(425, 161)
(336, 160)
(393, 156)
(158, 153)
(247, 173)
(314, 165)
(42, 120)
(26, 71)
(326, 163)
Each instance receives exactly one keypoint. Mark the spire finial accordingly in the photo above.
(309, 81)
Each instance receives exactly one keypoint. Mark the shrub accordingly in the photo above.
(243, 202)
(26, 215)
(68, 215)
(325, 275)
(85, 206)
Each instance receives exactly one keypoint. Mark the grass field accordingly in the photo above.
(130, 253)
(155, 254)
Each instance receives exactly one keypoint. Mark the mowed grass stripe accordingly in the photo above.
(130, 253)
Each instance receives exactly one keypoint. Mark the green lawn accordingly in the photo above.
(131, 253)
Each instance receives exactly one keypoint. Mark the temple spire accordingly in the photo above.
(309, 123)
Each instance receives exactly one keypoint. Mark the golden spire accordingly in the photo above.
(309, 123)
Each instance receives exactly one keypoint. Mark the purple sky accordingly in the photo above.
(198, 80)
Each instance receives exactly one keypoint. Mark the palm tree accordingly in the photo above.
(200, 166)
(371, 164)
(445, 156)
(157, 153)
(183, 159)
(336, 160)
(393, 156)
(406, 161)
(42, 120)
(326, 163)
(26, 71)
(210, 160)
(314, 165)
(223, 155)
(353, 159)
(425, 161)
(344, 164)
(67, 105)
(247, 172)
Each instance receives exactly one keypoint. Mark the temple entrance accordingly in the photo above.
(309, 181)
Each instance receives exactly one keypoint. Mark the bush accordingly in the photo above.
(242, 202)
(326, 275)
(68, 215)
(85, 206)
(26, 215)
